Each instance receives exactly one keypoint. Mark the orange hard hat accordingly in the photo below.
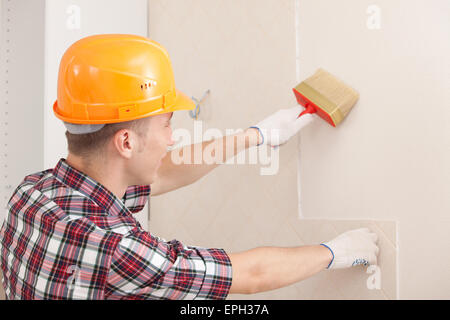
(110, 78)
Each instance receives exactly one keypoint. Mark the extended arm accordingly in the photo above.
(274, 130)
(173, 175)
(268, 268)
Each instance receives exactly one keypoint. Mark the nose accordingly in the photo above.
(173, 144)
(171, 141)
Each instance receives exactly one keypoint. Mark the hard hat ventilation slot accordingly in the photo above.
(148, 85)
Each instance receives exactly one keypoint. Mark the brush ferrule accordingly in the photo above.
(320, 102)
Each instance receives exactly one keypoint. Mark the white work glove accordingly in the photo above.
(353, 248)
(279, 127)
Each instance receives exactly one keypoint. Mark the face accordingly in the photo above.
(152, 149)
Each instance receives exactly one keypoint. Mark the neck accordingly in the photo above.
(108, 173)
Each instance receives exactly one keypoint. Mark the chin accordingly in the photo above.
(152, 178)
(144, 180)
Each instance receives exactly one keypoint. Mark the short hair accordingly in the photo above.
(92, 145)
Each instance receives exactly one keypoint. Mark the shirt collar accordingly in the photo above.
(136, 196)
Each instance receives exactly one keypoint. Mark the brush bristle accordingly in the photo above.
(334, 90)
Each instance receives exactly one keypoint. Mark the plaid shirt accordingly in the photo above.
(67, 237)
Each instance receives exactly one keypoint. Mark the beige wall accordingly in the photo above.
(245, 53)
(390, 159)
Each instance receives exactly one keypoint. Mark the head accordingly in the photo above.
(136, 147)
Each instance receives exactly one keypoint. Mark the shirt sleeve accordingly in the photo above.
(148, 267)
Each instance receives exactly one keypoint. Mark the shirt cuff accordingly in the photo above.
(218, 274)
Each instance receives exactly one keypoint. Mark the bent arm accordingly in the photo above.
(172, 175)
(268, 268)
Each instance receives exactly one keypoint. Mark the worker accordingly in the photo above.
(70, 231)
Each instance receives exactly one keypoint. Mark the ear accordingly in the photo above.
(124, 141)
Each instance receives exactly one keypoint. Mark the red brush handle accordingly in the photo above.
(309, 109)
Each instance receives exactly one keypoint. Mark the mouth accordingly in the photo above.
(160, 161)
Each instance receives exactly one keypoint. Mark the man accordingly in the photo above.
(70, 232)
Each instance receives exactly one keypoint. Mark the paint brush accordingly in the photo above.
(326, 95)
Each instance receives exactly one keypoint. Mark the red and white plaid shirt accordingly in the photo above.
(67, 237)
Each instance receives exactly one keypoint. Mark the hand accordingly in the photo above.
(278, 128)
(353, 248)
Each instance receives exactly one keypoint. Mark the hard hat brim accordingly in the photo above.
(181, 102)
